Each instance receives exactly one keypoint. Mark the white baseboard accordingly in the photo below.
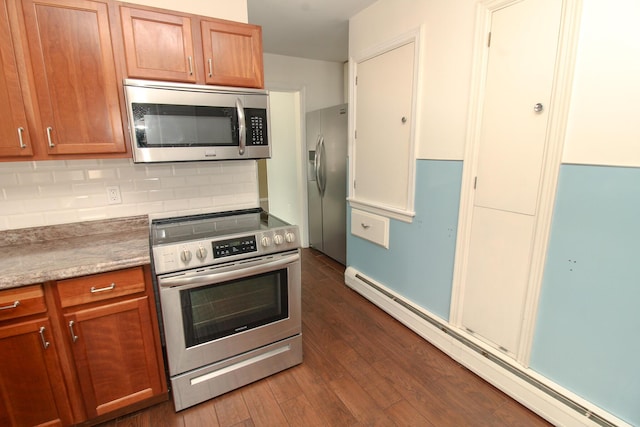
(549, 400)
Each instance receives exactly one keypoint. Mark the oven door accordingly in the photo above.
(222, 311)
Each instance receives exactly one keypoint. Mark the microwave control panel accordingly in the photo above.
(257, 126)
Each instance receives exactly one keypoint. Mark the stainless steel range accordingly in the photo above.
(229, 287)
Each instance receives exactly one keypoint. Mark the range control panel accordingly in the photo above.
(231, 247)
(200, 253)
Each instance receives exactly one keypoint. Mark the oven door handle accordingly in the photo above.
(208, 278)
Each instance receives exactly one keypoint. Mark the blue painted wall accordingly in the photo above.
(419, 261)
(587, 336)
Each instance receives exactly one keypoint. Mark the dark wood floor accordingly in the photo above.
(361, 368)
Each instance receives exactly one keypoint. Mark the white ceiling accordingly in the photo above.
(313, 29)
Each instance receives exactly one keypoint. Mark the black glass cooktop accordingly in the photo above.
(211, 225)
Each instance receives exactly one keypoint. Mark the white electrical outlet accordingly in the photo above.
(113, 195)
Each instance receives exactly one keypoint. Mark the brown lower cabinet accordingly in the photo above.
(94, 353)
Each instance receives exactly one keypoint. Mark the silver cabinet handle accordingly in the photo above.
(190, 61)
(95, 290)
(45, 343)
(365, 226)
(11, 306)
(538, 108)
(20, 132)
(74, 337)
(210, 62)
(49, 130)
(242, 126)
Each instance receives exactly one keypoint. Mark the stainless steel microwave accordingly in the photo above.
(177, 122)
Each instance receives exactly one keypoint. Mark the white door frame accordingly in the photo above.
(558, 116)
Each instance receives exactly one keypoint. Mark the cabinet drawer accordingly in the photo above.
(371, 227)
(21, 302)
(98, 287)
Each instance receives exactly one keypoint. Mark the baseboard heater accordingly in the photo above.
(478, 349)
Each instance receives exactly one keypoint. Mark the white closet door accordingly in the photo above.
(522, 56)
(384, 99)
(512, 145)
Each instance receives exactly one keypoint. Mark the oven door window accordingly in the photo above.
(215, 311)
(164, 125)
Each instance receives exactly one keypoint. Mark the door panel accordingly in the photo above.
(32, 391)
(334, 210)
(511, 159)
(313, 126)
(497, 275)
(12, 103)
(115, 355)
(158, 45)
(384, 96)
(522, 55)
(75, 75)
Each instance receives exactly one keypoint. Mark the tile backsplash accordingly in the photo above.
(57, 192)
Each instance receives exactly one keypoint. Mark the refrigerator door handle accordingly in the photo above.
(316, 164)
(321, 178)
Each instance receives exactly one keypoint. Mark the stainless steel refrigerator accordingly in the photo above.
(327, 180)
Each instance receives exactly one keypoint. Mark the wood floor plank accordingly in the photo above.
(300, 412)
(203, 414)
(231, 409)
(360, 404)
(326, 402)
(403, 414)
(284, 386)
(262, 405)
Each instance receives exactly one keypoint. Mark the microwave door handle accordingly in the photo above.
(242, 127)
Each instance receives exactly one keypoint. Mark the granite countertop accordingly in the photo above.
(35, 255)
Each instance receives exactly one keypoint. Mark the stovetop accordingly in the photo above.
(211, 225)
(194, 241)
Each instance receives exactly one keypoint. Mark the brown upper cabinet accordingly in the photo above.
(233, 53)
(15, 138)
(158, 45)
(74, 75)
(179, 47)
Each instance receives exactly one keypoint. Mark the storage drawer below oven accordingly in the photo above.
(213, 380)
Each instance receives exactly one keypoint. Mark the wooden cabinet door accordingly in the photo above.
(115, 354)
(75, 76)
(14, 134)
(232, 54)
(158, 45)
(32, 391)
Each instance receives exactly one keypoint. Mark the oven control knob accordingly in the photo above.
(201, 253)
(266, 241)
(290, 237)
(278, 239)
(185, 255)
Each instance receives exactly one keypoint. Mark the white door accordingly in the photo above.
(510, 163)
(384, 102)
